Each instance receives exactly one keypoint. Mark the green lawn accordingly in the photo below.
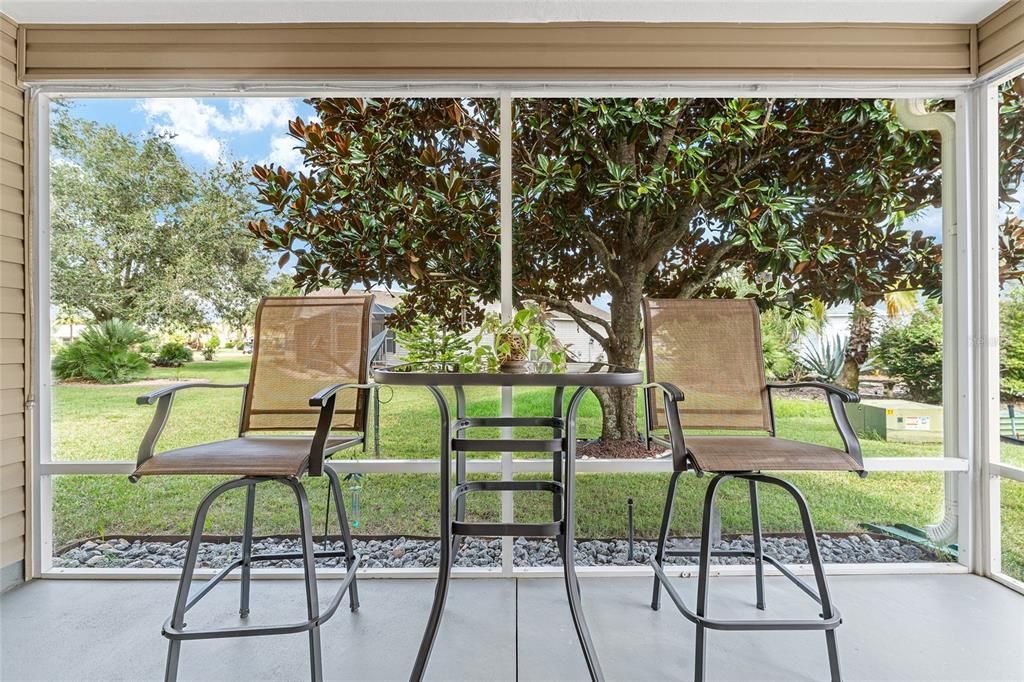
(103, 423)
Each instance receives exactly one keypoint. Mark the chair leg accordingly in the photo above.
(187, 571)
(755, 515)
(250, 509)
(316, 672)
(346, 533)
(814, 554)
(666, 522)
(703, 576)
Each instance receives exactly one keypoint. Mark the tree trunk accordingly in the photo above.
(618, 405)
(861, 335)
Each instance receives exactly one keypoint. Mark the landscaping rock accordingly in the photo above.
(483, 552)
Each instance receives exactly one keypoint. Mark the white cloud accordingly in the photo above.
(283, 152)
(195, 125)
(257, 113)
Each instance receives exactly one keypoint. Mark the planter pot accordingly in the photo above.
(516, 366)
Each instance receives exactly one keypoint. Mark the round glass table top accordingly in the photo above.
(526, 373)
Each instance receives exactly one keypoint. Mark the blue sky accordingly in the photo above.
(252, 129)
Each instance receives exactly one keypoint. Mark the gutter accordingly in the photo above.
(914, 116)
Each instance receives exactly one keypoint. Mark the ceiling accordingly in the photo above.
(263, 11)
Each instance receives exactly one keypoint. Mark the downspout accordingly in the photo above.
(914, 116)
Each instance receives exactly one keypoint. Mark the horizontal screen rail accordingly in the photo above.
(1006, 471)
(538, 465)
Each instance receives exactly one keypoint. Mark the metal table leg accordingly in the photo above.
(572, 588)
(563, 510)
(445, 563)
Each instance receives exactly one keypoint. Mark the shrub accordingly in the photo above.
(210, 349)
(911, 350)
(1011, 346)
(104, 353)
(213, 342)
(824, 360)
(173, 354)
(778, 342)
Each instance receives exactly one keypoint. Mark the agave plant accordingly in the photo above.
(825, 359)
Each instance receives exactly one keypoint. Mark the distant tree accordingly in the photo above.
(283, 285)
(1011, 346)
(140, 236)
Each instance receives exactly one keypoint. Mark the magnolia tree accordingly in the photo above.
(805, 199)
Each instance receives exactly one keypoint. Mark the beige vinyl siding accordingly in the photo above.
(12, 301)
(1001, 37)
(481, 51)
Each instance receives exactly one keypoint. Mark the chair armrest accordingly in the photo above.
(165, 398)
(845, 394)
(673, 396)
(836, 397)
(152, 397)
(325, 400)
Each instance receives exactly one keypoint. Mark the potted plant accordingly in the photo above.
(515, 345)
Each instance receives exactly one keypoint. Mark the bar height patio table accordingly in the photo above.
(582, 376)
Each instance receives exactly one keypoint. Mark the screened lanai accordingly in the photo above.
(923, 555)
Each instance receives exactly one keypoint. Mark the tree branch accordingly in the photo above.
(581, 318)
(662, 241)
(710, 270)
(603, 254)
(668, 135)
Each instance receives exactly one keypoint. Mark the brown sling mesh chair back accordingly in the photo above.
(705, 357)
(308, 376)
(711, 349)
(302, 345)
(725, 389)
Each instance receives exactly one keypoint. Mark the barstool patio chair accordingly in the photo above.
(302, 344)
(711, 349)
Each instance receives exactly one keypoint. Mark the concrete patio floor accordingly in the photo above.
(898, 627)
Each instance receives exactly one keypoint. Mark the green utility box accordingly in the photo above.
(898, 421)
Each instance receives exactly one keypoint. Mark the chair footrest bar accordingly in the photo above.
(173, 633)
(507, 445)
(745, 625)
(498, 529)
(782, 568)
(211, 583)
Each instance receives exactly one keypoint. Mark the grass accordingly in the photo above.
(103, 423)
(1012, 522)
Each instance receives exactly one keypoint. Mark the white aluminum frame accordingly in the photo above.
(955, 461)
(990, 470)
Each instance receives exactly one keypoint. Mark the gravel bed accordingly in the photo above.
(416, 553)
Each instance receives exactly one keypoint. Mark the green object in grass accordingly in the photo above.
(908, 533)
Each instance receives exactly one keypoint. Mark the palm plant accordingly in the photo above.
(106, 352)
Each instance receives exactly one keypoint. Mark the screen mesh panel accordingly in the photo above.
(303, 345)
(711, 350)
